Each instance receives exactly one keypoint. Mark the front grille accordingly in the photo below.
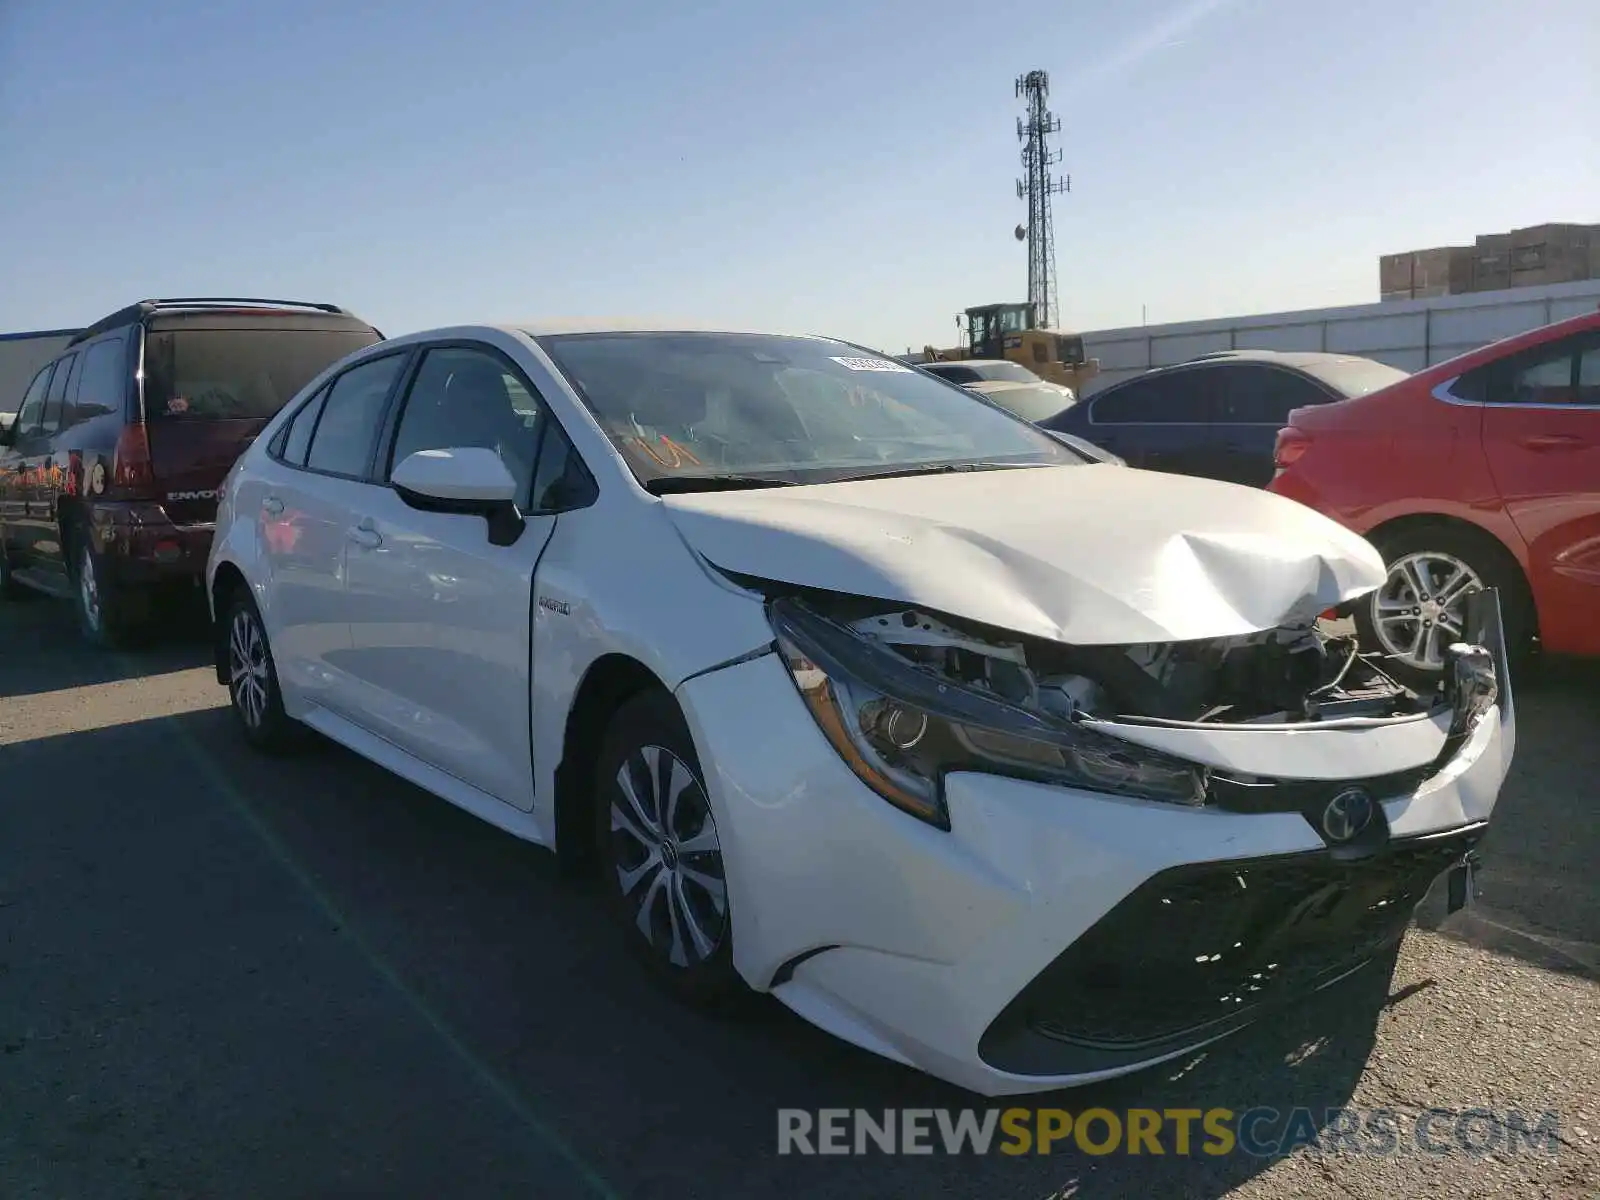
(1307, 795)
(1199, 947)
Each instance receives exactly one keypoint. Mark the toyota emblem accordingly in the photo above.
(1347, 815)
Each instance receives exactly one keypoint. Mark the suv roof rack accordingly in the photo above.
(143, 308)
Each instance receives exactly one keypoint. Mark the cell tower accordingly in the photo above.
(1036, 187)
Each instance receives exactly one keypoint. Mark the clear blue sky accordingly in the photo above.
(827, 167)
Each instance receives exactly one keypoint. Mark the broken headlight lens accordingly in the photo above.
(901, 728)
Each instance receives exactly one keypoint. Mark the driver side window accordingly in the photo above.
(467, 397)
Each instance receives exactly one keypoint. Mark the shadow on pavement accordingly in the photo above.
(42, 650)
(1541, 893)
(301, 977)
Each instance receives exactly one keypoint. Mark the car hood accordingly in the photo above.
(1092, 555)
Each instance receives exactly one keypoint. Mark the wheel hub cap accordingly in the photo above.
(248, 675)
(668, 856)
(89, 589)
(1421, 607)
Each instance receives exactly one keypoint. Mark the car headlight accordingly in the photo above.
(902, 728)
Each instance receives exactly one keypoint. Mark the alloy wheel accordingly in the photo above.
(668, 857)
(249, 677)
(1421, 607)
(89, 590)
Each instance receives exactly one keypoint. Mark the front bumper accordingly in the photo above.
(1030, 948)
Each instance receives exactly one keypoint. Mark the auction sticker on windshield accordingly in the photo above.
(870, 364)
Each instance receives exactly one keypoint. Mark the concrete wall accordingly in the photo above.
(1408, 334)
(21, 355)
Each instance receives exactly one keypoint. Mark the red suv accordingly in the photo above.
(1481, 471)
(109, 473)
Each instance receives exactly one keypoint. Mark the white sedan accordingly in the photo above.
(1017, 767)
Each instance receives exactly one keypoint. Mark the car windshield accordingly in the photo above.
(1356, 376)
(784, 409)
(1004, 372)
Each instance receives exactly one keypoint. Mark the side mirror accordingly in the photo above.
(468, 480)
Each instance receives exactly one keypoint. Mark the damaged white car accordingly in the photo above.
(1017, 767)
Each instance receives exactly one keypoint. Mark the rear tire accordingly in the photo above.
(10, 589)
(253, 692)
(1431, 570)
(106, 618)
(661, 858)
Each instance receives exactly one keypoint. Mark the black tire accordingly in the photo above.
(698, 970)
(1486, 559)
(108, 618)
(253, 692)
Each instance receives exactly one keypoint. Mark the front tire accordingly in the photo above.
(661, 856)
(253, 691)
(1420, 609)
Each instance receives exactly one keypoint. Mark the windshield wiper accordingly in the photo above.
(933, 469)
(669, 485)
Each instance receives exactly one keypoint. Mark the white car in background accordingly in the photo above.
(1016, 767)
(1010, 385)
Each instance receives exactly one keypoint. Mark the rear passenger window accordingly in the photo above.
(103, 382)
(1589, 376)
(298, 434)
(1545, 380)
(1264, 395)
(1165, 400)
(348, 428)
(58, 390)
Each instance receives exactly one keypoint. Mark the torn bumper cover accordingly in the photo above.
(1081, 895)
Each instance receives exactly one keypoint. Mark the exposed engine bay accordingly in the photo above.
(1286, 675)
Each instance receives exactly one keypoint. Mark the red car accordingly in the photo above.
(1481, 471)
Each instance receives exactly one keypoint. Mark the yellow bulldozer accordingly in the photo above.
(1010, 332)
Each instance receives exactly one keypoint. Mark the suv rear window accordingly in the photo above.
(236, 374)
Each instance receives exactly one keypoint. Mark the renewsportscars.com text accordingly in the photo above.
(1260, 1131)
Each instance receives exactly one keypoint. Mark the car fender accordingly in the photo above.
(617, 579)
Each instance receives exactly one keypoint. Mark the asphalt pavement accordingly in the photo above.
(229, 976)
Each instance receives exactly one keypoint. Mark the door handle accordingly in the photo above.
(272, 505)
(366, 536)
(1541, 442)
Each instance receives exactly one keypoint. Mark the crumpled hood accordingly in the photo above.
(1091, 555)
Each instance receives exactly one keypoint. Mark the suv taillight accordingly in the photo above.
(1291, 444)
(130, 463)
